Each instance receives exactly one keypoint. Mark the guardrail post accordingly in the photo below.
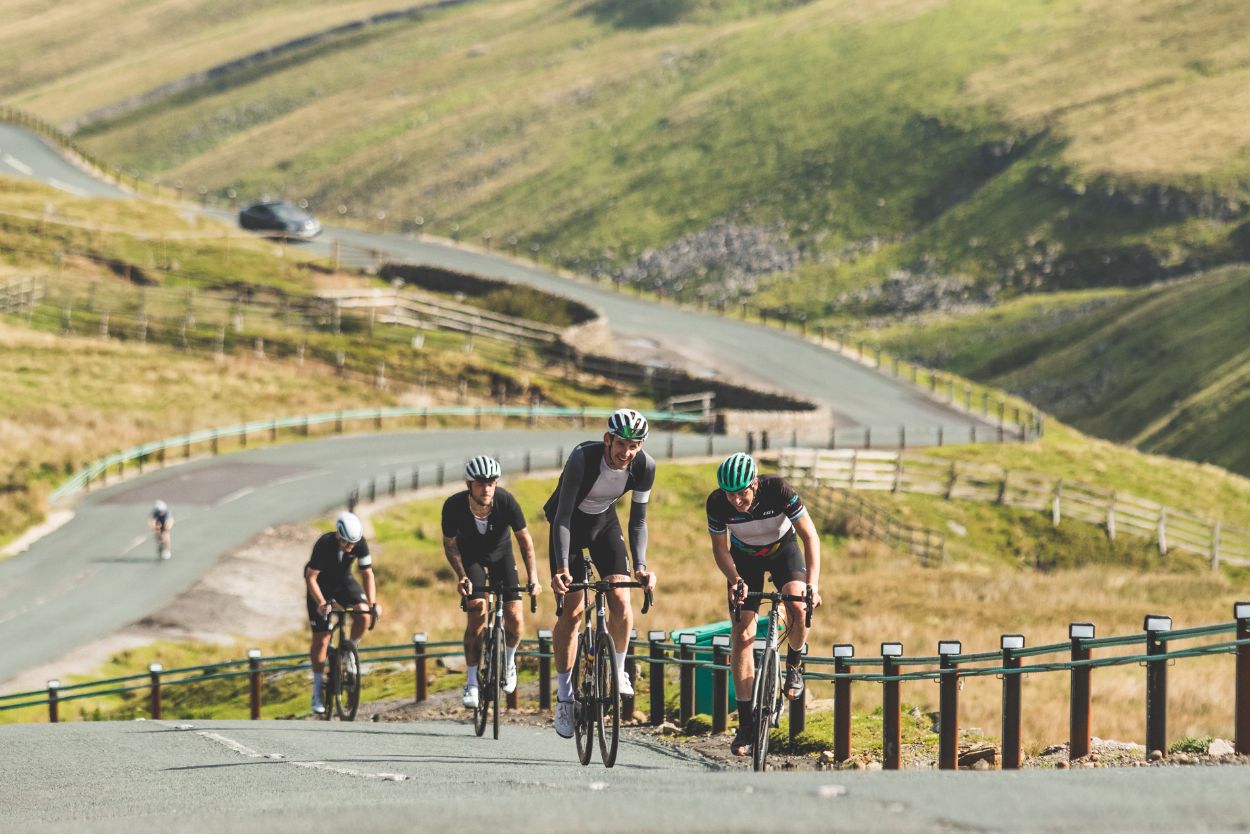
(54, 706)
(527, 465)
(842, 652)
(1241, 710)
(154, 673)
(213, 445)
(720, 683)
(418, 666)
(655, 675)
(631, 671)
(891, 735)
(948, 706)
(1156, 683)
(1078, 721)
(338, 422)
(686, 678)
(544, 669)
(273, 431)
(253, 665)
(798, 712)
(1010, 643)
(392, 486)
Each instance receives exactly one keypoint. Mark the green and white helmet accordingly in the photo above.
(628, 424)
(736, 473)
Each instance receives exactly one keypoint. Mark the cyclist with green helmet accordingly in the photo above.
(754, 521)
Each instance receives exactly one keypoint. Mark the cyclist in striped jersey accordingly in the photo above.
(753, 520)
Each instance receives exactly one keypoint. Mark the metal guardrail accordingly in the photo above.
(159, 448)
(951, 662)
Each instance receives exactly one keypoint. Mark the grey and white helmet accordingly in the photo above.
(482, 468)
(628, 424)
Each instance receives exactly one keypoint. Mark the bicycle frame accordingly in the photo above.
(490, 660)
(345, 703)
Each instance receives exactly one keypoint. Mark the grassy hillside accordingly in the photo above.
(1162, 368)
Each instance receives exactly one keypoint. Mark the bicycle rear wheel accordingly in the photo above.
(347, 694)
(584, 706)
(496, 676)
(482, 711)
(608, 698)
(762, 709)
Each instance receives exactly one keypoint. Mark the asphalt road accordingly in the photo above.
(298, 776)
(99, 572)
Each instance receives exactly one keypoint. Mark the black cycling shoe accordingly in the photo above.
(743, 739)
(794, 681)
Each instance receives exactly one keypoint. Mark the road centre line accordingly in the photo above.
(244, 750)
(64, 186)
(17, 165)
(238, 493)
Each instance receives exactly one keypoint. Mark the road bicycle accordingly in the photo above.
(342, 678)
(161, 535)
(596, 688)
(491, 668)
(766, 696)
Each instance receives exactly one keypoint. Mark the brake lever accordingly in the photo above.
(533, 604)
(808, 600)
(647, 600)
(559, 605)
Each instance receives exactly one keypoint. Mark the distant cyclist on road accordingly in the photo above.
(328, 578)
(476, 522)
(582, 512)
(752, 520)
(161, 521)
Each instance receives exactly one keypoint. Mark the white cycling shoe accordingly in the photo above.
(625, 685)
(564, 719)
(318, 708)
(166, 554)
(509, 679)
(469, 699)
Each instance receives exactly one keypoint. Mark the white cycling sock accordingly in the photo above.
(564, 685)
(470, 675)
(318, 681)
(509, 655)
(620, 664)
(355, 643)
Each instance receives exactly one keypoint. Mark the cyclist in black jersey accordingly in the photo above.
(328, 578)
(476, 522)
(582, 512)
(161, 520)
(753, 520)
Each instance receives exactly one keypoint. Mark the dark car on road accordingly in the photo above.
(279, 217)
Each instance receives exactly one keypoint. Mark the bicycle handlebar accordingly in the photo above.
(500, 590)
(806, 598)
(602, 587)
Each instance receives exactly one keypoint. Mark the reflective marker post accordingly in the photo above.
(154, 673)
(544, 669)
(54, 709)
(842, 652)
(253, 665)
(686, 677)
(948, 706)
(720, 683)
(419, 670)
(1078, 721)
(655, 672)
(1011, 701)
(1241, 738)
(1156, 683)
(891, 731)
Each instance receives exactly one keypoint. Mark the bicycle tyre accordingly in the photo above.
(331, 683)
(583, 700)
(347, 697)
(496, 678)
(482, 710)
(608, 697)
(765, 703)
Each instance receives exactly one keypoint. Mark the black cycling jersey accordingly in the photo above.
(475, 545)
(162, 519)
(335, 564)
(769, 521)
(580, 492)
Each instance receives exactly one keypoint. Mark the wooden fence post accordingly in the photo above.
(1111, 517)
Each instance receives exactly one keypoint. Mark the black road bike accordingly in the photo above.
(491, 667)
(766, 695)
(342, 679)
(596, 688)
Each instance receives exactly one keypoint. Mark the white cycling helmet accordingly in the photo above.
(482, 468)
(160, 506)
(349, 528)
(627, 424)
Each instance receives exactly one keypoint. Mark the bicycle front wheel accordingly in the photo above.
(608, 697)
(482, 711)
(762, 710)
(347, 694)
(496, 676)
(584, 706)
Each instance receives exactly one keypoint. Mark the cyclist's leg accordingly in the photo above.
(611, 559)
(351, 595)
(564, 632)
(789, 574)
(475, 613)
(742, 659)
(319, 644)
(503, 574)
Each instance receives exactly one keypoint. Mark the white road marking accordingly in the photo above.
(244, 750)
(64, 186)
(17, 165)
(138, 540)
(293, 478)
(238, 493)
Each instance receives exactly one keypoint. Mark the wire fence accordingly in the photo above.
(694, 655)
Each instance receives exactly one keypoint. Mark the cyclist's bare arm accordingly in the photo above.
(526, 542)
(724, 561)
(314, 590)
(452, 552)
(811, 553)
